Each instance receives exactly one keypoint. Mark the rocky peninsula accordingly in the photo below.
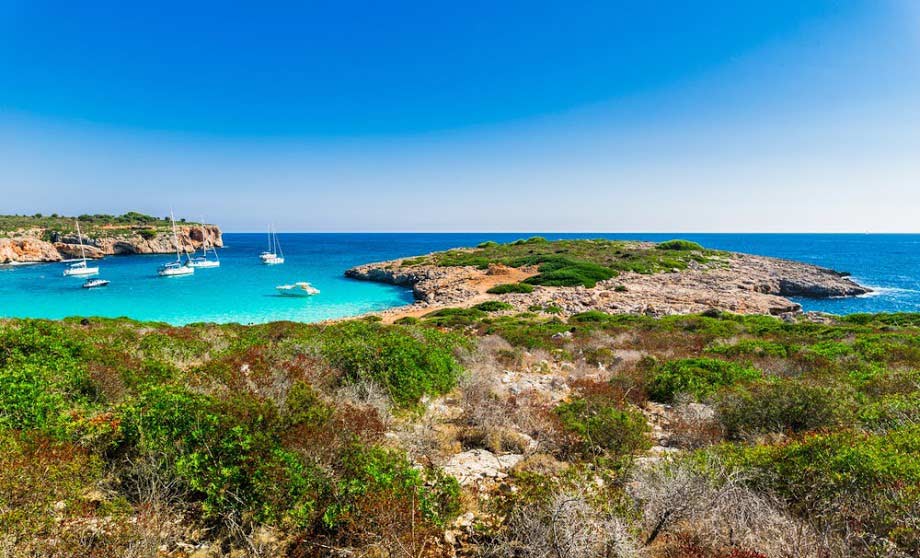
(43, 239)
(644, 278)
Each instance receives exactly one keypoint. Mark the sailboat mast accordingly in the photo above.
(175, 235)
(80, 240)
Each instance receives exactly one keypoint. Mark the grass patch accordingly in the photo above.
(506, 288)
(679, 245)
(493, 306)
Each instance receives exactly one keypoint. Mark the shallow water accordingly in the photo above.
(243, 290)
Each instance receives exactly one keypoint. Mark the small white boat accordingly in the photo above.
(176, 268)
(274, 255)
(301, 288)
(95, 283)
(80, 269)
(202, 261)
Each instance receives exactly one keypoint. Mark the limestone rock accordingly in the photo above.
(28, 246)
(473, 466)
(739, 283)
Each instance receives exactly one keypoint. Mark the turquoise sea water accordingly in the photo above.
(243, 290)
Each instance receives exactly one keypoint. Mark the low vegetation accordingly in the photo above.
(89, 224)
(575, 262)
(709, 436)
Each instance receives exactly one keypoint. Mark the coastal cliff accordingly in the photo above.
(734, 282)
(45, 244)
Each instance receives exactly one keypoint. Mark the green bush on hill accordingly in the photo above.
(407, 362)
(505, 288)
(563, 272)
(603, 428)
(700, 377)
(493, 306)
(864, 486)
(782, 406)
(680, 245)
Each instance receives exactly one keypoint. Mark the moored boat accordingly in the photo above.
(301, 288)
(203, 261)
(80, 268)
(274, 255)
(176, 268)
(95, 283)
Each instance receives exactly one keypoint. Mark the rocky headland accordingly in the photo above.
(41, 245)
(740, 283)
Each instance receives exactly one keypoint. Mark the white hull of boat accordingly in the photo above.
(297, 289)
(273, 261)
(81, 271)
(95, 283)
(204, 264)
(176, 271)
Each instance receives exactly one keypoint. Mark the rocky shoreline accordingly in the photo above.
(32, 247)
(740, 283)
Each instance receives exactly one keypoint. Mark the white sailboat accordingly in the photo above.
(274, 255)
(176, 268)
(202, 260)
(80, 269)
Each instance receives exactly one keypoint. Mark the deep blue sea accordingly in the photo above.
(243, 290)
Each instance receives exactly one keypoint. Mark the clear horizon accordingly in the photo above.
(786, 117)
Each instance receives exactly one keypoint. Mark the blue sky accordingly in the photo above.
(402, 116)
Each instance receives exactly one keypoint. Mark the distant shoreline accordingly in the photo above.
(740, 283)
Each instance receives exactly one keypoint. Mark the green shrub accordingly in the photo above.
(863, 486)
(680, 245)
(147, 234)
(782, 406)
(407, 320)
(603, 428)
(700, 377)
(505, 288)
(750, 347)
(220, 449)
(453, 317)
(42, 375)
(408, 362)
(603, 319)
(487, 244)
(526, 330)
(493, 306)
(563, 272)
(377, 480)
(830, 350)
(892, 411)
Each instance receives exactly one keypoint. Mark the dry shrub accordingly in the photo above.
(429, 441)
(690, 546)
(693, 425)
(502, 424)
(633, 380)
(567, 526)
(708, 503)
(149, 482)
(369, 394)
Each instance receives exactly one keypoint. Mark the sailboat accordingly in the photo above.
(80, 269)
(274, 255)
(176, 268)
(202, 260)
